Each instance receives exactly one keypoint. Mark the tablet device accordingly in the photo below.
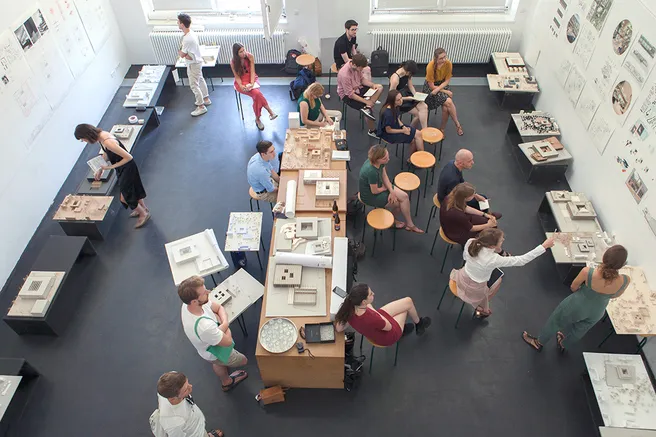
(496, 274)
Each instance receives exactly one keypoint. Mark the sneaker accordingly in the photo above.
(408, 328)
(372, 133)
(259, 124)
(273, 116)
(199, 111)
(367, 112)
(207, 102)
(424, 323)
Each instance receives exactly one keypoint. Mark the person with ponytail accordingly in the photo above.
(438, 76)
(461, 222)
(483, 256)
(381, 326)
(592, 289)
(392, 129)
(311, 110)
(401, 80)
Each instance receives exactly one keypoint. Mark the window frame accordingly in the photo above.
(441, 8)
(153, 14)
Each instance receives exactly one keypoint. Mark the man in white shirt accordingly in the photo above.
(206, 324)
(190, 52)
(179, 416)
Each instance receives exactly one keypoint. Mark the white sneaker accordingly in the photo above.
(259, 124)
(198, 111)
(207, 102)
(367, 112)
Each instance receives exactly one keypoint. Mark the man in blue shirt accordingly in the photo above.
(261, 172)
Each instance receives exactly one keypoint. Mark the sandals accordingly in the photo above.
(459, 130)
(481, 314)
(216, 433)
(273, 116)
(140, 223)
(259, 124)
(559, 343)
(532, 341)
(236, 377)
(136, 214)
(398, 224)
(414, 229)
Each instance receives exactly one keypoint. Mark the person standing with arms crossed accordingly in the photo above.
(190, 52)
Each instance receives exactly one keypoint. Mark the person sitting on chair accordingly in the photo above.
(438, 76)
(383, 327)
(392, 129)
(261, 172)
(311, 110)
(352, 86)
(401, 80)
(480, 278)
(451, 175)
(459, 221)
(377, 191)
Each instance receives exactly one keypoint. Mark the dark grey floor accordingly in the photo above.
(99, 376)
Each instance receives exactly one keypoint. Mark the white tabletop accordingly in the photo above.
(244, 231)
(128, 143)
(209, 256)
(606, 431)
(564, 219)
(528, 149)
(210, 56)
(8, 386)
(245, 291)
(499, 61)
(149, 78)
(629, 405)
(496, 83)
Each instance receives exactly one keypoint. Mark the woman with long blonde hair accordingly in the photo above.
(311, 109)
(459, 221)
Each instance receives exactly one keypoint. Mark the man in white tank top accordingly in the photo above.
(190, 52)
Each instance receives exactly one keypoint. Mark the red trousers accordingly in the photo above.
(259, 101)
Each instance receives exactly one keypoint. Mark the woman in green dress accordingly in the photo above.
(311, 110)
(592, 289)
(377, 191)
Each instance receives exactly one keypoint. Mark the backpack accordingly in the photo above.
(291, 67)
(352, 364)
(353, 206)
(379, 62)
(303, 80)
(155, 426)
(317, 68)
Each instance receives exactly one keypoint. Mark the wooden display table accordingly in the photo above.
(87, 216)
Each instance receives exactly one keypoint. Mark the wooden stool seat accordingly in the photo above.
(454, 290)
(445, 238)
(251, 192)
(433, 210)
(436, 201)
(422, 159)
(432, 135)
(333, 68)
(380, 219)
(373, 346)
(407, 181)
(305, 60)
(453, 287)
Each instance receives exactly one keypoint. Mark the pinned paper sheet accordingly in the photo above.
(290, 199)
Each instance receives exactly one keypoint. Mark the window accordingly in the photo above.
(440, 6)
(211, 7)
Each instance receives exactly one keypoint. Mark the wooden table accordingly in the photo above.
(513, 97)
(210, 55)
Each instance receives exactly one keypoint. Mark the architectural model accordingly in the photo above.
(311, 177)
(244, 231)
(327, 190)
(307, 227)
(581, 210)
(634, 312)
(83, 208)
(307, 149)
(122, 132)
(546, 150)
(319, 247)
(221, 296)
(302, 296)
(287, 275)
(184, 251)
(36, 294)
(538, 124)
(561, 196)
(515, 62)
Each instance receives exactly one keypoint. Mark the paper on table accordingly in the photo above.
(317, 261)
(420, 97)
(290, 199)
(370, 92)
(484, 204)
(97, 163)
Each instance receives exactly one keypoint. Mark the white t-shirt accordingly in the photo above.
(191, 47)
(182, 420)
(208, 330)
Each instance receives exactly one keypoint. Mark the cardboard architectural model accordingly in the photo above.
(287, 275)
(83, 208)
(307, 149)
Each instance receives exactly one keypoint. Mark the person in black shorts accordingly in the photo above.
(401, 80)
(352, 88)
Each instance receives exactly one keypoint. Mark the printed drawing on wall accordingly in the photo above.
(598, 12)
(574, 85)
(640, 60)
(587, 104)
(601, 128)
(563, 68)
(622, 37)
(573, 28)
(31, 30)
(636, 186)
(648, 107)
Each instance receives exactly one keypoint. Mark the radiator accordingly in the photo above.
(166, 44)
(462, 45)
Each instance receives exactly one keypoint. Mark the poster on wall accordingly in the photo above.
(623, 96)
(636, 186)
(598, 12)
(641, 58)
(574, 84)
(72, 40)
(563, 67)
(585, 45)
(601, 128)
(94, 17)
(587, 105)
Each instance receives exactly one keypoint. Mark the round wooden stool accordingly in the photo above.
(373, 347)
(380, 219)
(433, 211)
(408, 182)
(450, 243)
(433, 136)
(454, 290)
(305, 60)
(426, 161)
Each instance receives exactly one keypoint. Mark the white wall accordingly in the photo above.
(44, 168)
(317, 20)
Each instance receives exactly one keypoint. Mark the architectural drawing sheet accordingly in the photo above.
(585, 45)
(601, 128)
(93, 14)
(587, 104)
(574, 85)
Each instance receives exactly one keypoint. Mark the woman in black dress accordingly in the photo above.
(401, 80)
(129, 181)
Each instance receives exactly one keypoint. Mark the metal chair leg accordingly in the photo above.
(434, 240)
(371, 360)
(393, 238)
(460, 314)
(361, 341)
(612, 331)
(443, 293)
(446, 252)
(258, 204)
(251, 202)
(426, 183)
(430, 216)
(641, 344)
(396, 354)
(373, 249)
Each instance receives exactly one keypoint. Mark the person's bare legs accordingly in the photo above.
(413, 148)
(415, 117)
(495, 289)
(422, 110)
(453, 113)
(445, 117)
(402, 306)
(404, 205)
(222, 371)
(379, 91)
(419, 140)
(371, 125)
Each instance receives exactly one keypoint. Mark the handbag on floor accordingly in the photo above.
(271, 395)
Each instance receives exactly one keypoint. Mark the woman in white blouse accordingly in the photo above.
(482, 256)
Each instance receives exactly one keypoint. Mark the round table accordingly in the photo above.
(305, 60)
(433, 136)
(425, 160)
(408, 182)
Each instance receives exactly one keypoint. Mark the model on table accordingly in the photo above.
(592, 289)
(129, 181)
(392, 129)
(376, 189)
(438, 76)
(311, 109)
(179, 415)
(483, 255)
(382, 327)
(459, 221)
(207, 327)
(352, 87)
(246, 82)
(401, 80)
(262, 174)
(190, 52)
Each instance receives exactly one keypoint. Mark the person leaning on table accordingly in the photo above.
(311, 110)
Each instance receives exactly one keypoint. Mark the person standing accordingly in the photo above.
(592, 289)
(132, 190)
(190, 52)
(179, 416)
(207, 326)
(261, 172)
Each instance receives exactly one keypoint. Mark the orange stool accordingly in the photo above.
(434, 208)
(373, 347)
(449, 245)
(380, 219)
(433, 136)
(454, 289)
(408, 182)
(425, 160)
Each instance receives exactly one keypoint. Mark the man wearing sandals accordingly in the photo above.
(179, 416)
(207, 327)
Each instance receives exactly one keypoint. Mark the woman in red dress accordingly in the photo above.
(380, 326)
(246, 82)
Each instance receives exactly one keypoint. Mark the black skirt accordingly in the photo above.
(129, 183)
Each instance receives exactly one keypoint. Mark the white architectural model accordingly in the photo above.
(36, 294)
(184, 251)
(244, 230)
(287, 275)
(327, 190)
(307, 228)
(581, 210)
